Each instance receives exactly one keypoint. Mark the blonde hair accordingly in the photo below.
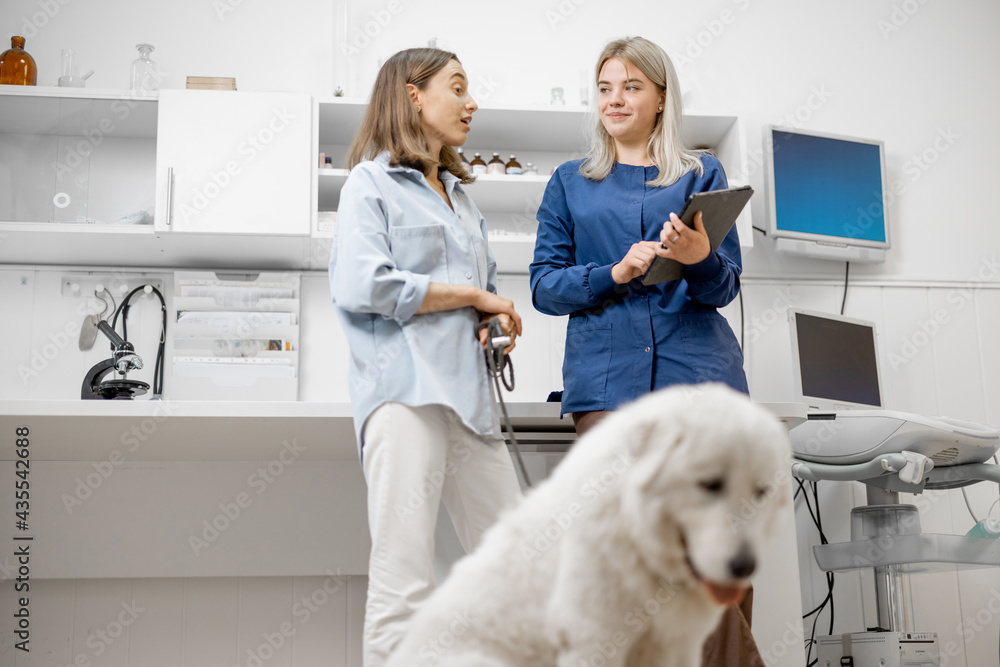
(665, 146)
(391, 122)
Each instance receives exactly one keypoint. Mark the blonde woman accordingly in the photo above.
(601, 223)
(411, 277)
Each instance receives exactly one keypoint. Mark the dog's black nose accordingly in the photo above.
(742, 564)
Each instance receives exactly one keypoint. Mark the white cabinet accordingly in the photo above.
(237, 163)
(79, 184)
(217, 170)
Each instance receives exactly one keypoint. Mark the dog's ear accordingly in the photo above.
(652, 444)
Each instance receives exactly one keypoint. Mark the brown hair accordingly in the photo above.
(392, 124)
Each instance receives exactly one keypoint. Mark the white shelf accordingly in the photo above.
(557, 129)
(910, 553)
(140, 246)
(490, 193)
(79, 93)
(512, 252)
(507, 193)
(50, 110)
(205, 430)
(330, 181)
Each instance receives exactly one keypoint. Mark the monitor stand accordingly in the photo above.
(839, 252)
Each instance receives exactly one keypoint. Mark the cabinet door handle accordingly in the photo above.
(170, 182)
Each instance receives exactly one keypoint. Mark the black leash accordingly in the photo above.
(496, 362)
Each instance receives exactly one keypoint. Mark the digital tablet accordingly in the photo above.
(719, 210)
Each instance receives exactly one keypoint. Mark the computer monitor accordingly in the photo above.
(835, 361)
(826, 195)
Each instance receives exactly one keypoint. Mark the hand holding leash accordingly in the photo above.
(497, 337)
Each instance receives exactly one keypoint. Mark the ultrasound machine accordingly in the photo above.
(849, 436)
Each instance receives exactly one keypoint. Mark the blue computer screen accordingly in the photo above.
(831, 187)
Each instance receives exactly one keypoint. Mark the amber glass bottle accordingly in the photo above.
(513, 167)
(478, 166)
(17, 66)
(496, 165)
(465, 161)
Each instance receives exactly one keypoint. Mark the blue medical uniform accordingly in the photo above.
(623, 341)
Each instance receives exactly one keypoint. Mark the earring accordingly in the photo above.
(661, 108)
(418, 109)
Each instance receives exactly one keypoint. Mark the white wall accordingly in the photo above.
(909, 72)
(919, 75)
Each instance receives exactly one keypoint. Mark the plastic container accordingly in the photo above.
(986, 528)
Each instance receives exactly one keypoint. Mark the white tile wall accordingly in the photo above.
(216, 622)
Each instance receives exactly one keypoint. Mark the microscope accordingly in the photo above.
(123, 360)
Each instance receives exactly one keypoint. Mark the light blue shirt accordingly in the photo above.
(396, 235)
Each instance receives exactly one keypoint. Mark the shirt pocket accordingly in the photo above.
(420, 249)
(585, 364)
(712, 348)
(479, 258)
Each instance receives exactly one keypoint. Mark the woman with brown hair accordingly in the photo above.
(411, 277)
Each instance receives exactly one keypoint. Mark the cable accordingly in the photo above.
(114, 304)
(743, 324)
(990, 510)
(496, 361)
(828, 600)
(968, 506)
(847, 271)
(994, 457)
(158, 371)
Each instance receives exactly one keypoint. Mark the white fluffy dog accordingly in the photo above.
(627, 554)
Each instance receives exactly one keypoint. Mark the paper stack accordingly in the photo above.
(211, 83)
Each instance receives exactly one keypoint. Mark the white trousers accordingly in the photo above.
(415, 457)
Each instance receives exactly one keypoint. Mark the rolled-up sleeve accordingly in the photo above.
(363, 274)
(560, 286)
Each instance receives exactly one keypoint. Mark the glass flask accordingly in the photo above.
(17, 67)
(145, 77)
(557, 97)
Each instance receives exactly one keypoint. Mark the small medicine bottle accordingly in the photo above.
(478, 166)
(530, 170)
(496, 165)
(513, 167)
(328, 164)
(465, 161)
